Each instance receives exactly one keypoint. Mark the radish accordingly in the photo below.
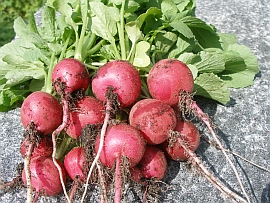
(167, 78)
(44, 176)
(43, 148)
(154, 119)
(122, 76)
(70, 75)
(171, 81)
(88, 110)
(153, 163)
(189, 133)
(44, 110)
(121, 141)
(75, 164)
(40, 113)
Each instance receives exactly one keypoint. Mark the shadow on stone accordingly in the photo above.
(265, 198)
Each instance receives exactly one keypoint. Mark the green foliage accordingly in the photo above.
(9, 11)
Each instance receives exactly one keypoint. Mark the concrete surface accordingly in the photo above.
(243, 124)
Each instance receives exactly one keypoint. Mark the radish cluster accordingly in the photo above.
(113, 128)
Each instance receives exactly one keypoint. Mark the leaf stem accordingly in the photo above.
(95, 48)
(79, 48)
(65, 47)
(48, 80)
(121, 31)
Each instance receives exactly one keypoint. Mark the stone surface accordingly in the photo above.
(243, 124)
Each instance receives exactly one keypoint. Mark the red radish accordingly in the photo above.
(75, 164)
(123, 77)
(189, 134)
(121, 140)
(88, 110)
(171, 81)
(136, 174)
(72, 74)
(44, 110)
(154, 118)
(44, 148)
(167, 77)
(69, 75)
(44, 176)
(153, 163)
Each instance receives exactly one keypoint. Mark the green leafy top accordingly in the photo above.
(141, 31)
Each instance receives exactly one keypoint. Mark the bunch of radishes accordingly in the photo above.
(124, 126)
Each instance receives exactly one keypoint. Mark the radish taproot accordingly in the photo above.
(122, 76)
(153, 118)
(44, 110)
(189, 133)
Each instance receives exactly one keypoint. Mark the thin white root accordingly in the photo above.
(103, 193)
(195, 161)
(204, 117)
(102, 136)
(54, 135)
(236, 154)
(27, 171)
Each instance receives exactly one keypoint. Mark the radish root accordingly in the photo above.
(103, 193)
(235, 154)
(102, 136)
(186, 102)
(118, 179)
(195, 161)
(60, 128)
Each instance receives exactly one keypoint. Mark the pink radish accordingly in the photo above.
(42, 109)
(189, 133)
(121, 141)
(44, 176)
(75, 164)
(123, 77)
(167, 78)
(43, 148)
(70, 75)
(88, 110)
(153, 163)
(154, 119)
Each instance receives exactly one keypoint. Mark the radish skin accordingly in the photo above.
(123, 77)
(154, 119)
(167, 77)
(40, 107)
